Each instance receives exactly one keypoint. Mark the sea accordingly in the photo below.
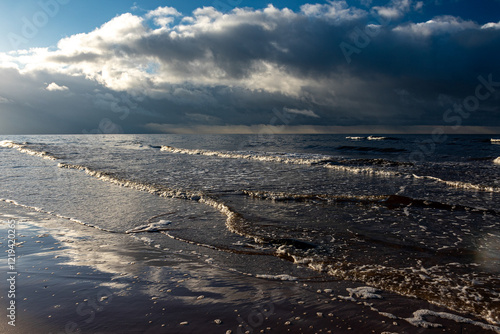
(416, 215)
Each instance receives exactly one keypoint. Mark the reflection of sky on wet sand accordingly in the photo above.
(153, 279)
(76, 246)
(133, 267)
(171, 275)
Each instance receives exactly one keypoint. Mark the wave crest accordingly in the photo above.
(24, 149)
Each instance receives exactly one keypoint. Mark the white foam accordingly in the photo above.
(497, 161)
(364, 292)
(363, 170)
(495, 141)
(271, 157)
(376, 138)
(460, 184)
(162, 225)
(6, 143)
(418, 320)
(278, 277)
(23, 148)
(286, 158)
(355, 138)
(388, 315)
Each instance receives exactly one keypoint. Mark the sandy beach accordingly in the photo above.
(75, 279)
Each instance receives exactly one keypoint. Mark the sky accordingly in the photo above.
(238, 66)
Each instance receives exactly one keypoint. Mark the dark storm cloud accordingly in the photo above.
(344, 65)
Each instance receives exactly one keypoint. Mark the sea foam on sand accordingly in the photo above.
(162, 225)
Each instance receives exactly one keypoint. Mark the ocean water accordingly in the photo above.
(410, 214)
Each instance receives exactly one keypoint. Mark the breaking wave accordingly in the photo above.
(286, 158)
(354, 166)
(24, 149)
(371, 138)
(460, 184)
(437, 284)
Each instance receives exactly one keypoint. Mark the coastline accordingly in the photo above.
(76, 279)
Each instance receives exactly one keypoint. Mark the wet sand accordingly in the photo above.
(76, 279)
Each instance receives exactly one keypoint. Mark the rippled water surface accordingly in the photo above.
(402, 213)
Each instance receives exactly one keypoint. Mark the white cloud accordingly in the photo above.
(163, 16)
(235, 67)
(163, 11)
(395, 10)
(491, 25)
(438, 25)
(336, 11)
(256, 50)
(55, 87)
(119, 31)
(121, 53)
(303, 112)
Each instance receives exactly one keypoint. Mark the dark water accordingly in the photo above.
(415, 215)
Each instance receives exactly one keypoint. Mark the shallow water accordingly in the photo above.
(399, 213)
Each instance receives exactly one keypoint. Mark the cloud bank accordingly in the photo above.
(326, 65)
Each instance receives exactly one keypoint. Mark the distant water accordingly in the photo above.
(410, 214)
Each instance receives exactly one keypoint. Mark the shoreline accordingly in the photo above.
(76, 279)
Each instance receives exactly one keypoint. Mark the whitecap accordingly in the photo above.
(23, 148)
(364, 292)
